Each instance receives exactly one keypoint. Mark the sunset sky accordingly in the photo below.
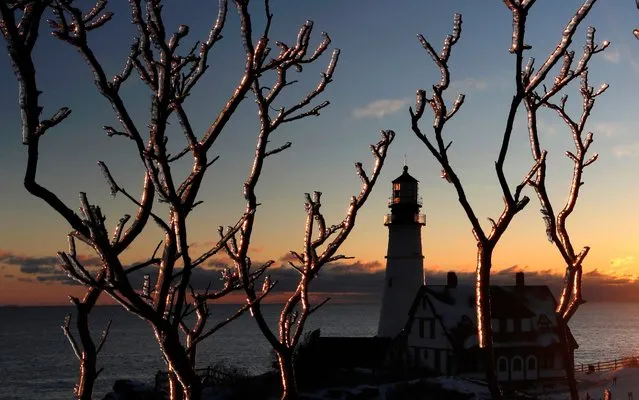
(381, 66)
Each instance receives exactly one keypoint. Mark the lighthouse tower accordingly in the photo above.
(404, 259)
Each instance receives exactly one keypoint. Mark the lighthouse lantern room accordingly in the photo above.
(404, 260)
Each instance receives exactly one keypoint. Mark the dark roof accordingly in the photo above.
(405, 177)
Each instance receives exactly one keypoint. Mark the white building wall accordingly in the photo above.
(435, 347)
(404, 277)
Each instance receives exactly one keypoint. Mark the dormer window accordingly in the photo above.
(543, 322)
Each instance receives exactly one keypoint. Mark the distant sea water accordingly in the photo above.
(36, 361)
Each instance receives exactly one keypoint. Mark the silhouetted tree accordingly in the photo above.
(86, 351)
(556, 228)
(320, 247)
(527, 82)
(170, 73)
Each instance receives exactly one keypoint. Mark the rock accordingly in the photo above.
(126, 389)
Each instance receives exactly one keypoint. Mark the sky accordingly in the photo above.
(381, 66)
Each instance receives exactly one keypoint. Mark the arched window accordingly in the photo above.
(518, 364)
(502, 364)
(532, 363)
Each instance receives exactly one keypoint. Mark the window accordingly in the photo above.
(502, 364)
(517, 325)
(518, 364)
(427, 328)
(532, 363)
(543, 322)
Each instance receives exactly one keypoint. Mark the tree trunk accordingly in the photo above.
(287, 374)
(180, 366)
(88, 372)
(484, 319)
(175, 389)
(84, 387)
(569, 362)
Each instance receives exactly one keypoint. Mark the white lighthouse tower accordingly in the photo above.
(404, 259)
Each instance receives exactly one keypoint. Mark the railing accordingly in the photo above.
(418, 218)
(404, 199)
(609, 365)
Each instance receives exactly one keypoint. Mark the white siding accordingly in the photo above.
(428, 346)
(404, 276)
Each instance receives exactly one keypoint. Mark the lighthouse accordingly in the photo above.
(404, 260)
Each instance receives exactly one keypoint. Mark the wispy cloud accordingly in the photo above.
(610, 129)
(626, 150)
(380, 108)
(612, 55)
(469, 85)
(547, 128)
(622, 261)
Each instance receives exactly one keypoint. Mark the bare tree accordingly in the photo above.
(320, 246)
(527, 81)
(317, 251)
(86, 351)
(556, 228)
(156, 56)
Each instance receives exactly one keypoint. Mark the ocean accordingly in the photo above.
(36, 361)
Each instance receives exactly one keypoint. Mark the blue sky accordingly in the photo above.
(380, 68)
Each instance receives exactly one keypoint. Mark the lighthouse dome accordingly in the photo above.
(405, 177)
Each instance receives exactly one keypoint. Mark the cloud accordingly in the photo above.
(349, 280)
(288, 257)
(547, 128)
(469, 85)
(628, 150)
(612, 55)
(45, 269)
(380, 108)
(610, 129)
(622, 261)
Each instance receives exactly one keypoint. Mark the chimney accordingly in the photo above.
(451, 280)
(519, 279)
